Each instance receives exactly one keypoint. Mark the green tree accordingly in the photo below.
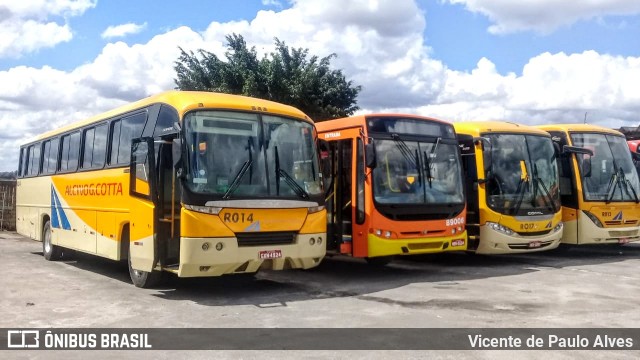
(288, 76)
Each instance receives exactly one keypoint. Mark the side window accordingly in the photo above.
(34, 160)
(87, 154)
(100, 146)
(23, 162)
(50, 156)
(123, 131)
(70, 150)
(95, 140)
(166, 118)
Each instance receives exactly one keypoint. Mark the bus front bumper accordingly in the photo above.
(590, 233)
(495, 242)
(218, 256)
(379, 246)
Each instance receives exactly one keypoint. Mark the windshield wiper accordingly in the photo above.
(618, 179)
(236, 180)
(404, 150)
(419, 165)
(548, 201)
(293, 184)
(428, 168)
(520, 193)
(628, 186)
(520, 190)
(428, 158)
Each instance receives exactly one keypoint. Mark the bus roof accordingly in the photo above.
(359, 120)
(184, 101)
(477, 128)
(579, 128)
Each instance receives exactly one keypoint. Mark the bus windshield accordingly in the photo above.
(417, 172)
(608, 175)
(521, 174)
(241, 155)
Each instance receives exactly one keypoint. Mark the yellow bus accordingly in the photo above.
(394, 186)
(193, 183)
(599, 186)
(511, 178)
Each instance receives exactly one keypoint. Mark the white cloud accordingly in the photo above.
(122, 30)
(25, 26)
(544, 16)
(275, 3)
(379, 44)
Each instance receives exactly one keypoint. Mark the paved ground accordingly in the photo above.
(581, 287)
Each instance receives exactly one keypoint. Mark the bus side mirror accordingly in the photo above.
(485, 143)
(176, 154)
(577, 150)
(370, 155)
(556, 148)
(487, 149)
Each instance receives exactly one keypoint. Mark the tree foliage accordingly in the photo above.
(289, 76)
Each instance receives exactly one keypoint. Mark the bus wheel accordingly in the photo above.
(143, 279)
(50, 251)
(379, 260)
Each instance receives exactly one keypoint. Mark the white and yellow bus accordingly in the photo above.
(193, 183)
(599, 186)
(511, 177)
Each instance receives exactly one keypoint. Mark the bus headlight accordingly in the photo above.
(558, 227)
(315, 209)
(213, 210)
(593, 218)
(500, 228)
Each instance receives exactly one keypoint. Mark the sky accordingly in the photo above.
(526, 61)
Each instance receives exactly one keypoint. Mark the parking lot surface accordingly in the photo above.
(582, 287)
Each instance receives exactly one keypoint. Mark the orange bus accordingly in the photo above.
(393, 186)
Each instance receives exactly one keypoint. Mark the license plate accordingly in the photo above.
(534, 244)
(270, 254)
(623, 240)
(458, 242)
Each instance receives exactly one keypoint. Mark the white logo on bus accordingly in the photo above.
(332, 135)
(456, 221)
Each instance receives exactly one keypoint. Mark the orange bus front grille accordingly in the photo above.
(422, 234)
(424, 246)
(266, 238)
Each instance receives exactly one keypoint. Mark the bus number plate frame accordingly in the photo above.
(534, 244)
(270, 254)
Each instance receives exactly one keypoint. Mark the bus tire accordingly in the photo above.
(379, 260)
(49, 251)
(143, 279)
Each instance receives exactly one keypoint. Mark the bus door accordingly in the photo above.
(568, 188)
(168, 230)
(469, 165)
(143, 189)
(338, 198)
